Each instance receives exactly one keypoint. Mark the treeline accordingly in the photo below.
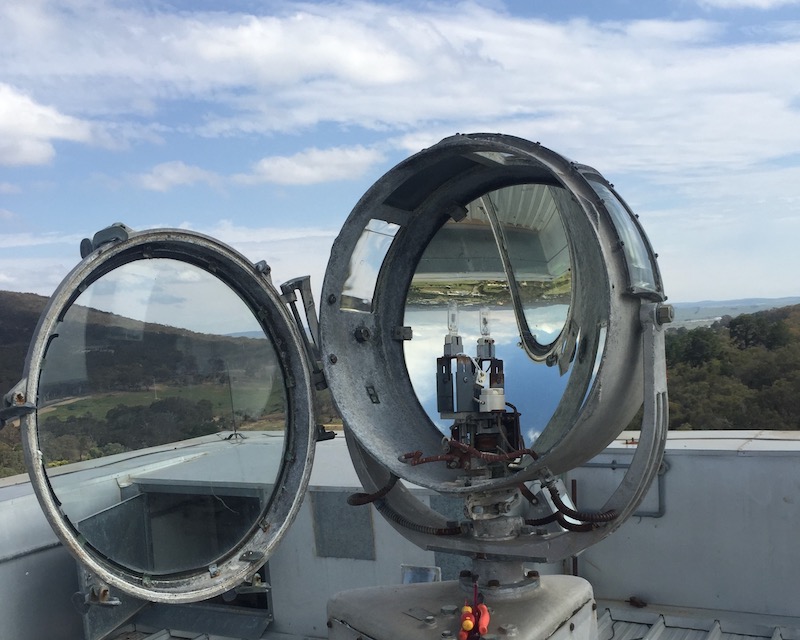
(740, 373)
(126, 428)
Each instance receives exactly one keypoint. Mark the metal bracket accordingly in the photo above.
(289, 297)
(97, 595)
(15, 404)
(117, 232)
(256, 586)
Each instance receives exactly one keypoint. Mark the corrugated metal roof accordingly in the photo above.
(723, 441)
(529, 206)
(617, 621)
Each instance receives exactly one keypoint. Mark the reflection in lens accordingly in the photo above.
(365, 263)
(161, 416)
(509, 255)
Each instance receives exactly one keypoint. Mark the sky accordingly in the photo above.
(263, 122)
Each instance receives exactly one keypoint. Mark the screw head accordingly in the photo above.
(665, 313)
(333, 359)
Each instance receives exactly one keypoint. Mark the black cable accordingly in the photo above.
(572, 526)
(383, 507)
(538, 522)
(606, 516)
(358, 499)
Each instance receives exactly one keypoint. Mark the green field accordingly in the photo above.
(247, 399)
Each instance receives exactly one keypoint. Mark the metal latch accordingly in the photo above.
(15, 404)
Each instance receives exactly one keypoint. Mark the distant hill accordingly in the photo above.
(103, 359)
(706, 312)
(729, 368)
(19, 313)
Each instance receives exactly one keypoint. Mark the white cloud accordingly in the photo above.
(313, 166)
(7, 188)
(35, 275)
(647, 88)
(26, 240)
(290, 252)
(28, 129)
(5, 214)
(747, 4)
(167, 175)
(685, 106)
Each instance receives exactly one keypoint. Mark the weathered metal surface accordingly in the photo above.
(561, 608)
(266, 305)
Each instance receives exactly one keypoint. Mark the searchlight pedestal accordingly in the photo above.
(568, 300)
(491, 317)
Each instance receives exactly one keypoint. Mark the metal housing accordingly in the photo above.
(258, 294)
(620, 351)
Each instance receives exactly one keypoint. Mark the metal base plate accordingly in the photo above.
(562, 607)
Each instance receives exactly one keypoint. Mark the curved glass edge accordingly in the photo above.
(365, 264)
(643, 275)
(292, 478)
(157, 357)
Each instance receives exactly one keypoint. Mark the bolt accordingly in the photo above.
(361, 334)
(331, 299)
(447, 634)
(329, 624)
(19, 398)
(449, 610)
(572, 626)
(533, 574)
(493, 584)
(333, 359)
(665, 313)
(430, 620)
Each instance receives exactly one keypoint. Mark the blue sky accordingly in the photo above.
(262, 123)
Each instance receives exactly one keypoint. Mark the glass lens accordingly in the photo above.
(161, 416)
(365, 265)
(641, 269)
(502, 272)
